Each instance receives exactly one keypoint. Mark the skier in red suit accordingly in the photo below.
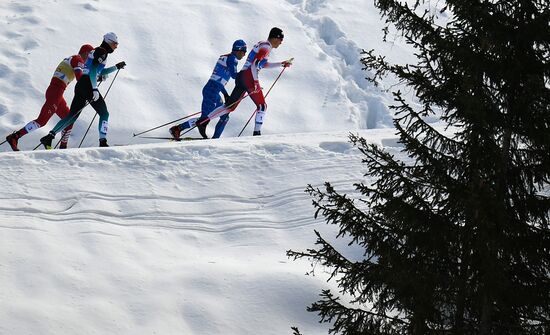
(69, 69)
(247, 81)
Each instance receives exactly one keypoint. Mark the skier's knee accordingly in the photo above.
(33, 125)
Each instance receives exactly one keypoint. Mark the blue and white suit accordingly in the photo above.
(225, 70)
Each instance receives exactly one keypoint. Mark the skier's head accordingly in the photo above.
(85, 50)
(110, 42)
(239, 49)
(275, 37)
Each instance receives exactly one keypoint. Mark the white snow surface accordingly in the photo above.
(187, 237)
(174, 238)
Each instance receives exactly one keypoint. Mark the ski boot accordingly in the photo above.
(256, 133)
(47, 140)
(12, 140)
(63, 145)
(175, 132)
(201, 126)
(103, 143)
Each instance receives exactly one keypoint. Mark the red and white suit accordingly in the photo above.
(69, 69)
(248, 81)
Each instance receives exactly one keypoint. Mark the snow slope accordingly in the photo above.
(171, 47)
(179, 238)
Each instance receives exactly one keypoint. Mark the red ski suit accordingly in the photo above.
(69, 69)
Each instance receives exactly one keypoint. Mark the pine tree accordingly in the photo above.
(455, 230)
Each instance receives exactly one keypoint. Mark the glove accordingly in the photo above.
(96, 95)
(287, 63)
(102, 78)
(120, 65)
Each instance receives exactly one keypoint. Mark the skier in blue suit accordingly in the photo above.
(225, 70)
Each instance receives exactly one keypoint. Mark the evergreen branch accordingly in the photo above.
(355, 321)
(326, 255)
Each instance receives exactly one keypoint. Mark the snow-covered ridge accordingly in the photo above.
(174, 238)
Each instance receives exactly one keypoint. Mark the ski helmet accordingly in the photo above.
(110, 38)
(276, 33)
(85, 48)
(239, 45)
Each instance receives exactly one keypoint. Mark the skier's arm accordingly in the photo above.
(225, 94)
(262, 63)
(254, 69)
(95, 65)
(93, 76)
(108, 70)
(77, 64)
(268, 65)
(232, 66)
(285, 63)
(258, 62)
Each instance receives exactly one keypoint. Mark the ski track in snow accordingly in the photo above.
(368, 104)
(98, 196)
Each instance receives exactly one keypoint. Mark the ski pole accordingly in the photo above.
(105, 97)
(162, 125)
(183, 118)
(279, 76)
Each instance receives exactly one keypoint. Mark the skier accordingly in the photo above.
(247, 81)
(225, 70)
(86, 91)
(69, 69)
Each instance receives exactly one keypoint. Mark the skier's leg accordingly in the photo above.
(53, 94)
(63, 111)
(103, 126)
(261, 109)
(220, 126)
(210, 100)
(238, 92)
(223, 119)
(54, 97)
(82, 94)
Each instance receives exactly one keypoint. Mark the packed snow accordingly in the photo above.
(156, 237)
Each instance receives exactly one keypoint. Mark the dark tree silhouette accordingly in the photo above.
(455, 229)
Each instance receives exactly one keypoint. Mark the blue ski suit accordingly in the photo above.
(225, 70)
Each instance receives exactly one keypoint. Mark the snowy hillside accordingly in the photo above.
(190, 237)
(179, 238)
(171, 47)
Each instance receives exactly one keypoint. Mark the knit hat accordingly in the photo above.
(85, 48)
(239, 45)
(276, 33)
(110, 38)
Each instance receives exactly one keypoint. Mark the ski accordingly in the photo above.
(172, 139)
